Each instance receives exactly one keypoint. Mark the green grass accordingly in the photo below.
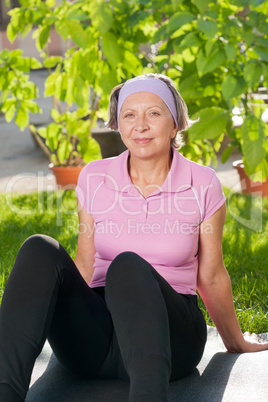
(245, 243)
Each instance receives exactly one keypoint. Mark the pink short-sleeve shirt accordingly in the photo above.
(163, 228)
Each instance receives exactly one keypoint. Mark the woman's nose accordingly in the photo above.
(141, 124)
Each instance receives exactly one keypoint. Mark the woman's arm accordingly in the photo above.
(214, 286)
(84, 259)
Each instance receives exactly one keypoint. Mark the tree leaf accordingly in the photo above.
(89, 149)
(201, 5)
(77, 33)
(233, 86)
(52, 61)
(111, 49)
(208, 27)
(178, 20)
(212, 123)
(43, 37)
(252, 73)
(190, 88)
(230, 50)
(207, 64)
(262, 52)
(22, 118)
(189, 40)
(253, 139)
(62, 29)
(101, 16)
(227, 153)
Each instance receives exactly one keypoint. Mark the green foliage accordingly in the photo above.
(216, 52)
(17, 93)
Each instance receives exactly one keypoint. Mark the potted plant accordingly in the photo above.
(79, 81)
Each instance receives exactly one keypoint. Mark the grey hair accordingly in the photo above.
(184, 122)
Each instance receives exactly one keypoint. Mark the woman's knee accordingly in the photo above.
(122, 265)
(37, 251)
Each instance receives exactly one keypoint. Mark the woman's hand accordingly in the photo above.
(252, 343)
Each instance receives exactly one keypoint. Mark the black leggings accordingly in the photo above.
(136, 328)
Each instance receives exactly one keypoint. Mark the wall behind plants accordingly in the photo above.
(217, 53)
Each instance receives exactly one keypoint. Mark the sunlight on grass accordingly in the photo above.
(245, 243)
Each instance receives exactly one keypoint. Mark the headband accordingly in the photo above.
(147, 84)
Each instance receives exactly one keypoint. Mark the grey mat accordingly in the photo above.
(220, 376)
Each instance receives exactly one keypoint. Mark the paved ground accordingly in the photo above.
(24, 167)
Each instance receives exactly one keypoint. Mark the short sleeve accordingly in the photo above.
(214, 198)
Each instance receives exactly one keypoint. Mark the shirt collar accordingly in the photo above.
(178, 178)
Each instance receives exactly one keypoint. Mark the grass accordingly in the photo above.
(245, 243)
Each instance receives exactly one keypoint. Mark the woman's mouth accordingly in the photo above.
(142, 141)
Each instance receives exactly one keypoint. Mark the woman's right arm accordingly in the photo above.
(84, 259)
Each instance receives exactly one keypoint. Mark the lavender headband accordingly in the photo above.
(147, 84)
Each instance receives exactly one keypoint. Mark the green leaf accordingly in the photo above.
(212, 123)
(12, 31)
(35, 64)
(227, 153)
(89, 150)
(132, 63)
(189, 40)
(101, 16)
(22, 118)
(50, 84)
(208, 27)
(176, 4)
(77, 33)
(42, 132)
(62, 29)
(43, 37)
(111, 49)
(230, 50)
(206, 64)
(253, 142)
(233, 87)
(191, 88)
(202, 5)
(252, 73)
(64, 150)
(262, 52)
(178, 20)
(52, 61)
(10, 110)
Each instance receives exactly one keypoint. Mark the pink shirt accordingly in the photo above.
(163, 228)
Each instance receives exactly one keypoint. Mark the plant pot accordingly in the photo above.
(66, 176)
(247, 185)
(110, 142)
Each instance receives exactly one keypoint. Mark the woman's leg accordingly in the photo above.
(46, 296)
(158, 330)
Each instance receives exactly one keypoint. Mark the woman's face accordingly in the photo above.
(146, 125)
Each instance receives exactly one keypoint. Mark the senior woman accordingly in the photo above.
(150, 229)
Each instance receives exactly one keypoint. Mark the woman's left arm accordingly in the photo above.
(214, 286)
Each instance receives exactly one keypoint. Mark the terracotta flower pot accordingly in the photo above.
(247, 185)
(66, 176)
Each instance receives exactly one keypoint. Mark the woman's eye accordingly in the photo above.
(127, 115)
(155, 113)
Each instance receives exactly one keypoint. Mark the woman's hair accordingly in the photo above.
(184, 121)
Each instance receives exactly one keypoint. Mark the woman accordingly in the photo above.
(150, 229)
